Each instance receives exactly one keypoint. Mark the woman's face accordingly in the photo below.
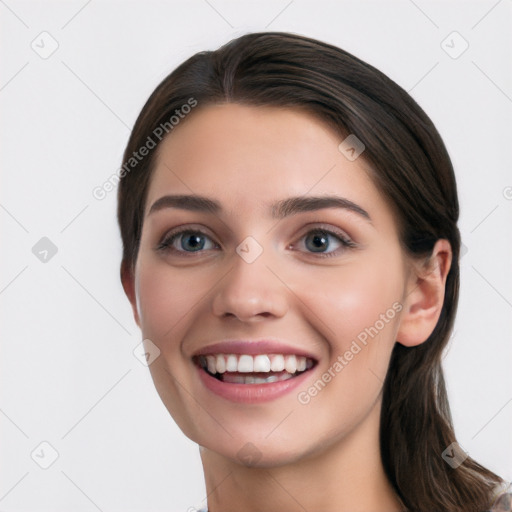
(257, 273)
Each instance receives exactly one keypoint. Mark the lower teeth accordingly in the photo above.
(249, 379)
(240, 378)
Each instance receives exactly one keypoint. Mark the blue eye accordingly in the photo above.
(317, 241)
(194, 240)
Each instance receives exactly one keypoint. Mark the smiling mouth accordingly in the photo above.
(258, 369)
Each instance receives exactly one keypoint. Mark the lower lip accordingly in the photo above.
(251, 393)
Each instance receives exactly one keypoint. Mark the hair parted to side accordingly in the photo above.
(411, 168)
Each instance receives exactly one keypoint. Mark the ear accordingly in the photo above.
(424, 295)
(128, 281)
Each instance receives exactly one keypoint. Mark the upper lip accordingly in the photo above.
(253, 347)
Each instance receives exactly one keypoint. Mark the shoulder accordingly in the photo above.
(503, 500)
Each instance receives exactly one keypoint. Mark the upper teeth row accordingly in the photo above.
(221, 363)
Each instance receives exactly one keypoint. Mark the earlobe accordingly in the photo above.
(128, 282)
(424, 296)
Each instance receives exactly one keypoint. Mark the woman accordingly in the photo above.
(298, 338)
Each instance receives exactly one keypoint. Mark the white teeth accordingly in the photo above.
(232, 363)
(277, 364)
(261, 363)
(245, 364)
(290, 364)
(220, 362)
(211, 364)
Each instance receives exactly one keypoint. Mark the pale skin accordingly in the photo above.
(323, 455)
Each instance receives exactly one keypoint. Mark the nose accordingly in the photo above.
(251, 291)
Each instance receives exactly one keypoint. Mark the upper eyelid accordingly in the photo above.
(310, 226)
(179, 230)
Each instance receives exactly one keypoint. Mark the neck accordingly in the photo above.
(346, 476)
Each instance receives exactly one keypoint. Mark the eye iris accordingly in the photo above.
(319, 238)
(197, 241)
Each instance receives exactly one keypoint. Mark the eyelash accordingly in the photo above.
(166, 243)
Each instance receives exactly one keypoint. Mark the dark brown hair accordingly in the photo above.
(411, 167)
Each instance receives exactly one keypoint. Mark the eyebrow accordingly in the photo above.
(279, 210)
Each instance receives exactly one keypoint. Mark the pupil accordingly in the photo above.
(196, 242)
(319, 238)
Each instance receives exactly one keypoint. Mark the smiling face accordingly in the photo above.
(317, 292)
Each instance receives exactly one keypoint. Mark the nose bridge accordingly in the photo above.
(250, 289)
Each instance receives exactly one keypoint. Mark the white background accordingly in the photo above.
(68, 374)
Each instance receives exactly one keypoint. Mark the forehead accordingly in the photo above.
(249, 156)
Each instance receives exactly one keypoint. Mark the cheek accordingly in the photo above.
(358, 310)
(165, 297)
